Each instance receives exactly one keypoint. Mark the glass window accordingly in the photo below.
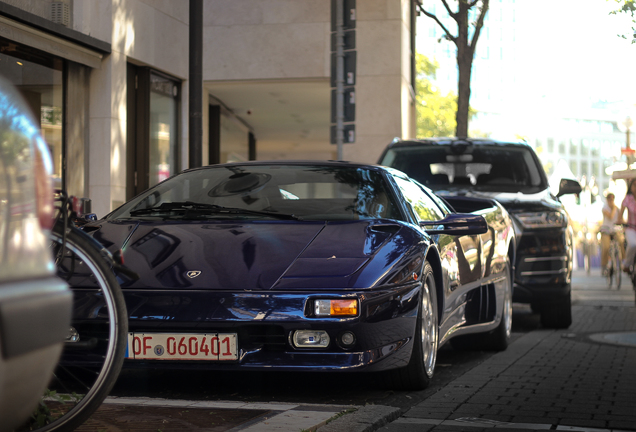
(262, 191)
(424, 207)
(595, 148)
(574, 167)
(550, 145)
(585, 148)
(511, 168)
(562, 150)
(163, 128)
(573, 148)
(38, 76)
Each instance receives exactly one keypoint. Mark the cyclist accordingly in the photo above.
(629, 203)
(608, 228)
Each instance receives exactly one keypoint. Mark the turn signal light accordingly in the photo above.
(337, 308)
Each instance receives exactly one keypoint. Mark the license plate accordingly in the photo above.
(180, 346)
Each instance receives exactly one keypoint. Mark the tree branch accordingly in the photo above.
(430, 15)
(479, 24)
(448, 9)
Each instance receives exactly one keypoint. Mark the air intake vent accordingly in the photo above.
(60, 13)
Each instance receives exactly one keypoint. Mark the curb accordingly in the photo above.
(366, 419)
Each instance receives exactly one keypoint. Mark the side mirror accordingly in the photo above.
(569, 186)
(457, 224)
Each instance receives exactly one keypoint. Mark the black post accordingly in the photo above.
(195, 123)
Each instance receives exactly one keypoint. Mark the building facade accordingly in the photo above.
(108, 80)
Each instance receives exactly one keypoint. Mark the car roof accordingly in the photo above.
(299, 163)
(397, 142)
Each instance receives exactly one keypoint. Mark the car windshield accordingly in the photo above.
(479, 167)
(266, 191)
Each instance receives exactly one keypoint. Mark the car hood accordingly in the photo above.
(515, 202)
(257, 255)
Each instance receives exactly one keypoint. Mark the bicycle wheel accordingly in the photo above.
(617, 266)
(609, 270)
(90, 365)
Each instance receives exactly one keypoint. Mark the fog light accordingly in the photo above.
(341, 307)
(311, 339)
(73, 335)
(347, 339)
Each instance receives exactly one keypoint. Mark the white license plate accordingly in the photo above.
(180, 346)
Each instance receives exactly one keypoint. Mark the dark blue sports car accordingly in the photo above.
(307, 265)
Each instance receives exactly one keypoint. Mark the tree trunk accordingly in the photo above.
(464, 66)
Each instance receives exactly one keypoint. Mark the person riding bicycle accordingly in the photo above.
(629, 203)
(609, 229)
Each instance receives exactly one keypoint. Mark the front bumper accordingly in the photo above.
(544, 265)
(264, 322)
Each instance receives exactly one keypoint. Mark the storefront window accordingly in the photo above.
(163, 128)
(39, 78)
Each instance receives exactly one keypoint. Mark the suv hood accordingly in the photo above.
(515, 202)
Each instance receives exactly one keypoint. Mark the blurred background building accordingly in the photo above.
(109, 82)
(546, 81)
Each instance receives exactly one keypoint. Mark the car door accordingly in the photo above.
(460, 255)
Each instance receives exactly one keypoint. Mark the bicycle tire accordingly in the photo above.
(618, 266)
(84, 253)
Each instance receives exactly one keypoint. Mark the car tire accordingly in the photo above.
(418, 373)
(557, 313)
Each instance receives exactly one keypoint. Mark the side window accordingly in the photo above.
(423, 206)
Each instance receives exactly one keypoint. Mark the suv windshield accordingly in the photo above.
(478, 167)
(266, 191)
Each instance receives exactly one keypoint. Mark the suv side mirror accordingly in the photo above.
(458, 224)
(569, 186)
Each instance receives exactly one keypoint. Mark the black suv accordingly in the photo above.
(512, 174)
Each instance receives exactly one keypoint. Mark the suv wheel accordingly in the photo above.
(557, 314)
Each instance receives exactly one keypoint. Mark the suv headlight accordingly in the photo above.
(541, 220)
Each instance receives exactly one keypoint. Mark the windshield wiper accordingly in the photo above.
(179, 205)
(189, 207)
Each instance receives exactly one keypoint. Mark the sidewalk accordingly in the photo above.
(119, 414)
(580, 379)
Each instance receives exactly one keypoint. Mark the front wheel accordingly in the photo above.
(418, 373)
(614, 272)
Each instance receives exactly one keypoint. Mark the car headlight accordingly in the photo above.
(541, 219)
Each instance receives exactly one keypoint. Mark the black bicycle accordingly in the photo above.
(94, 350)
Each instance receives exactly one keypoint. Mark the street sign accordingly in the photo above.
(349, 134)
(349, 105)
(349, 68)
(627, 151)
(349, 15)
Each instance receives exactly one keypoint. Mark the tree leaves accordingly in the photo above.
(628, 7)
(435, 112)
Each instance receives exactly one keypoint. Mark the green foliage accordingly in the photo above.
(42, 414)
(628, 7)
(435, 112)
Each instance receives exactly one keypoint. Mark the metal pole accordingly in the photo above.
(195, 87)
(340, 76)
